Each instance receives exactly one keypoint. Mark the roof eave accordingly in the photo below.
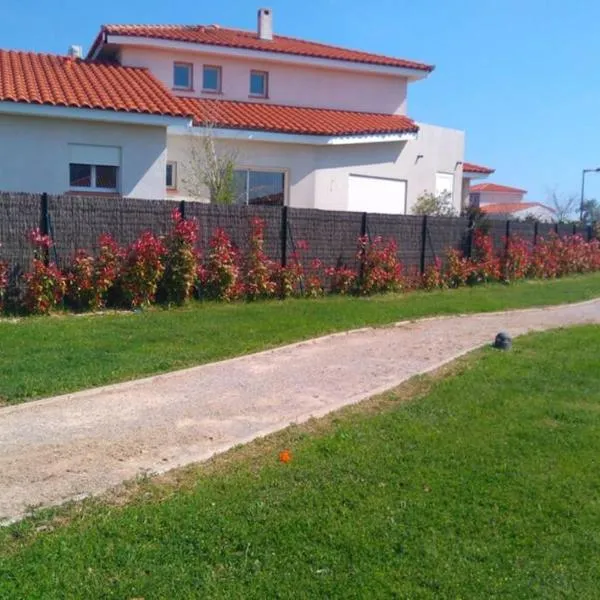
(311, 139)
(92, 114)
(411, 73)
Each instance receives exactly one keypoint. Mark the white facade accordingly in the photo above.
(325, 176)
(296, 85)
(35, 153)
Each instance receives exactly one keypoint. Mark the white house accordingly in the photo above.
(504, 202)
(311, 125)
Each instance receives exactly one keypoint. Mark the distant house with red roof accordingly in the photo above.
(505, 202)
(312, 125)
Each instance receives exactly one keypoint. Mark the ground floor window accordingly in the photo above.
(171, 175)
(93, 177)
(259, 187)
(94, 168)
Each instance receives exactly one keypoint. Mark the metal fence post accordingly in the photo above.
(536, 229)
(423, 244)
(556, 228)
(574, 228)
(284, 229)
(45, 224)
(507, 241)
(471, 227)
(363, 234)
(182, 209)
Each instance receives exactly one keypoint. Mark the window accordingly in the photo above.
(259, 84)
(171, 175)
(444, 185)
(260, 187)
(211, 79)
(183, 74)
(94, 168)
(93, 177)
(474, 200)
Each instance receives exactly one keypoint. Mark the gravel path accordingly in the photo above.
(79, 444)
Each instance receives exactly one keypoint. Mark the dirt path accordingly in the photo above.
(79, 444)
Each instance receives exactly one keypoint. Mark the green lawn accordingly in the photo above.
(45, 356)
(485, 486)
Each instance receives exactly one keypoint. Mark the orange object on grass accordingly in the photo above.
(285, 456)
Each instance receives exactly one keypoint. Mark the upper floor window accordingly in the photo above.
(259, 84)
(211, 78)
(474, 200)
(183, 74)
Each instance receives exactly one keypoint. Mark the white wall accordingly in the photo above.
(500, 197)
(34, 154)
(318, 176)
(291, 84)
(298, 162)
(436, 150)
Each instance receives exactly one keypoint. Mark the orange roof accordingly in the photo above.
(473, 168)
(236, 38)
(494, 187)
(511, 207)
(293, 119)
(63, 81)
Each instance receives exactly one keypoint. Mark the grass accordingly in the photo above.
(484, 485)
(41, 357)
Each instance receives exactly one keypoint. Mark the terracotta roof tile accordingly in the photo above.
(511, 207)
(473, 168)
(64, 81)
(494, 187)
(237, 38)
(293, 119)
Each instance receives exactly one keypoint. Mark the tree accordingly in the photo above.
(435, 206)
(565, 206)
(210, 168)
(591, 211)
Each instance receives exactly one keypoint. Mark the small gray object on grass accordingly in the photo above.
(503, 341)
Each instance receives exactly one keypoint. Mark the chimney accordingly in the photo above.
(265, 24)
(75, 52)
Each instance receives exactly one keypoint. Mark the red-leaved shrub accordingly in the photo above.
(342, 280)
(180, 260)
(459, 269)
(486, 263)
(220, 276)
(45, 285)
(258, 272)
(516, 262)
(44, 288)
(3, 282)
(142, 269)
(433, 276)
(381, 271)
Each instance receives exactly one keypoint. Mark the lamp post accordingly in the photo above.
(583, 173)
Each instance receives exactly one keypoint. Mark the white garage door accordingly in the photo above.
(376, 195)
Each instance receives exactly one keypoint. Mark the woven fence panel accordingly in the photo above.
(545, 230)
(564, 229)
(405, 230)
(19, 214)
(525, 231)
(76, 223)
(237, 222)
(330, 236)
(444, 233)
(497, 231)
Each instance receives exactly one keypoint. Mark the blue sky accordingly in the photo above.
(521, 77)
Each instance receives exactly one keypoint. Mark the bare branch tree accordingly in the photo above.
(565, 206)
(209, 168)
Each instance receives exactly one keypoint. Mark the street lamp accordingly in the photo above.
(597, 170)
